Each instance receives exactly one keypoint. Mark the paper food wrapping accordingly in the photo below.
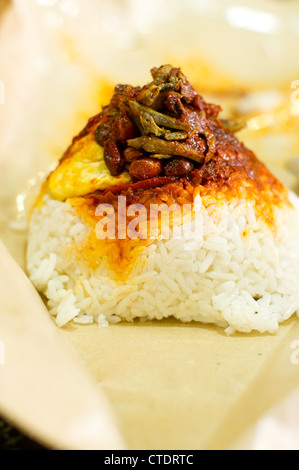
(171, 385)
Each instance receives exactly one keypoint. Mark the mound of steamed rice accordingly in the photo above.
(237, 272)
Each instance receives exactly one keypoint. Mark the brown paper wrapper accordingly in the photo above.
(171, 385)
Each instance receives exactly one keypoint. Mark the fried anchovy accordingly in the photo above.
(233, 126)
(148, 96)
(159, 118)
(176, 136)
(160, 148)
(211, 140)
(147, 125)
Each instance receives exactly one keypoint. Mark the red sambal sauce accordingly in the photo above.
(166, 135)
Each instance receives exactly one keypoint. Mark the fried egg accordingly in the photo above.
(81, 171)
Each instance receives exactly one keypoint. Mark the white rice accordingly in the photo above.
(241, 283)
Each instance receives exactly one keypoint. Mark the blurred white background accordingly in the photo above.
(59, 60)
(57, 55)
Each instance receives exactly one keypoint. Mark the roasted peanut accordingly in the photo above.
(146, 168)
(178, 167)
(113, 158)
(130, 154)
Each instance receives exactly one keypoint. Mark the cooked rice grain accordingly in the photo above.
(241, 283)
